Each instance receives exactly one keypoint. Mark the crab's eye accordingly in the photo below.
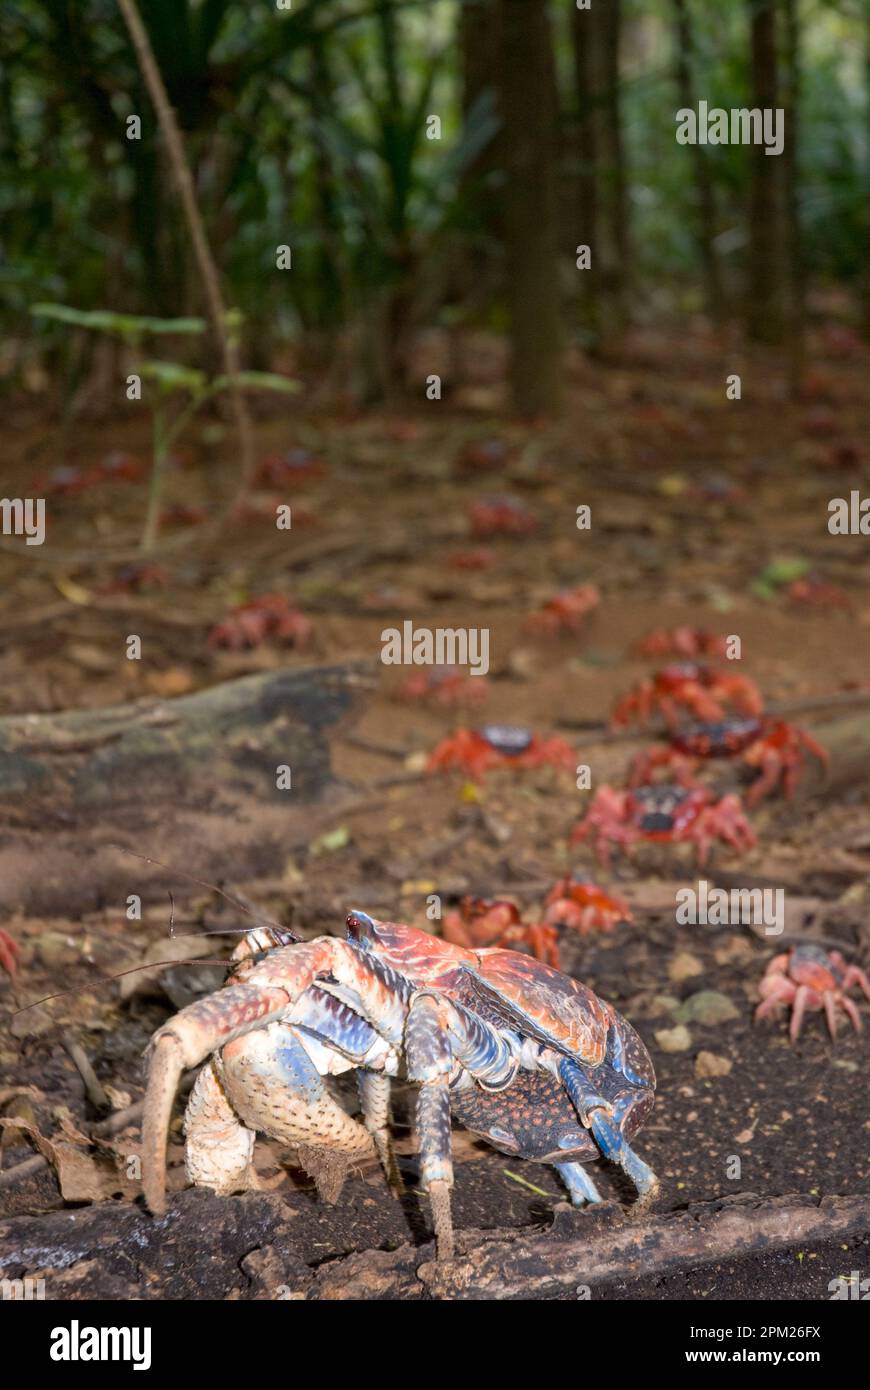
(359, 925)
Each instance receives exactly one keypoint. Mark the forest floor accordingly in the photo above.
(693, 499)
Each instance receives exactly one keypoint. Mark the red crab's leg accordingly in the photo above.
(855, 976)
(848, 1007)
(777, 992)
(8, 954)
(803, 998)
(770, 765)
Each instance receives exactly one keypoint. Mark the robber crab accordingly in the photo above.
(663, 813)
(444, 685)
(701, 690)
(809, 977)
(477, 751)
(772, 746)
(565, 612)
(522, 1055)
(269, 615)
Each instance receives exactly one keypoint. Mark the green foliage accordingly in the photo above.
(309, 126)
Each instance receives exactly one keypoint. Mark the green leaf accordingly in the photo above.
(259, 381)
(125, 325)
(172, 376)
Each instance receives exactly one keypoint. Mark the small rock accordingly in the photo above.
(56, 949)
(662, 1004)
(683, 966)
(708, 1064)
(707, 1006)
(677, 1039)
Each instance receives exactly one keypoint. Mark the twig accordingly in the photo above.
(93, 1087)
(207, 267)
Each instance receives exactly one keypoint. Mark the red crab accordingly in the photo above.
(582, 905)
(814, 592)
(484, 922)
(293, 466)
(485, 456)
(480, 559)
(809, 977)
(699, 689)
(773, 746)
(499, 745)
(9, 953)
(269, 615)
(444, 685)
(501, 516)
(565, 612)
(664, 813)
(118, 466)
(689, 642)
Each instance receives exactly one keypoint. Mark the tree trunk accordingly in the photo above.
(614, 223)
(705, 198)
(529, 104)
(765, 298)
(583, 44)
(192, 781)
(865, 276)
(791, 179)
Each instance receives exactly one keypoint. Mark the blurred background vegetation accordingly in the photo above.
(311, 127)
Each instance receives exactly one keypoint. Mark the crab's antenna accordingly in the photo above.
(213, 888)
(109, 979)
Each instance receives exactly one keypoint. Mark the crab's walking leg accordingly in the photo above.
(276, 1089)
(219, 1148)
(430, 1062)
(374, 1094)
(209, 1024)
(579, 1184)
(598, 1116)
(438, 1034)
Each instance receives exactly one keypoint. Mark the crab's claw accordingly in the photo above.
(207, 1025)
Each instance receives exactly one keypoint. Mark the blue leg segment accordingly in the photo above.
(615, 1146)
(603, 1120)
(579, 1184)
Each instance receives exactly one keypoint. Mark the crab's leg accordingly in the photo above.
(374, 1094)
(276, 1088)
(209, 1024)
(219, 1148)
(597, 1115)
(854, 975)
(438, 1034)
(803, 996)
(579, 1184)
(430, 1061)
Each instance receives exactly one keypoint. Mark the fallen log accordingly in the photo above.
(587, 1250)
(192, 781)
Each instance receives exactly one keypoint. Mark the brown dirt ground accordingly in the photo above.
(645, 446)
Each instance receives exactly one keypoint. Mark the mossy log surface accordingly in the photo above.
(192, 781)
